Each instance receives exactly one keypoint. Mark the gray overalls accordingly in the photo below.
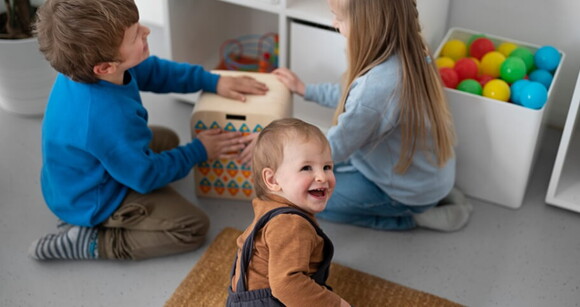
(263, 297)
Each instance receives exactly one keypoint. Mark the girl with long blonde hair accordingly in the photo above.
(392, 136)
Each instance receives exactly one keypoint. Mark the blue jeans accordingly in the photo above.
(358, 201)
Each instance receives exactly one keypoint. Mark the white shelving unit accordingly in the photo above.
(195, 30)
(564, 188)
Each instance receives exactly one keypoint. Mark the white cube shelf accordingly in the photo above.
(564, 188)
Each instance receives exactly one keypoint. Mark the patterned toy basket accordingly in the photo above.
(255, 53)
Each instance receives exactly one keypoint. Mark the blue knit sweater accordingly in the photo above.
(95, 140)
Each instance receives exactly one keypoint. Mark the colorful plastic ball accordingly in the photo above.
(526, 55)
(512, 69)
(470, 86)
(491, 63)
(444, 61)
(474, 37)
(506, 48)
(542, 76)
(466, 68)
(480, 47)
(497, 89)
(478, 65)
(516, 90)
(547, 57)
(449, 77)
(455, 49)
(483, 79)
(534, 95)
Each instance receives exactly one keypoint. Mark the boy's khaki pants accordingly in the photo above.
(155, 224)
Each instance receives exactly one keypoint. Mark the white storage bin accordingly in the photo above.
(497, 141)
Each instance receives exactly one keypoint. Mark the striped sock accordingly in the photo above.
(75, 243)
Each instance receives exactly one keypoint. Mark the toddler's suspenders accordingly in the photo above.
(263, 297)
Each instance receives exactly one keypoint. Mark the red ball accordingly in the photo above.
(483, 79)
(480, 47)
(449, 77)
(466, 68)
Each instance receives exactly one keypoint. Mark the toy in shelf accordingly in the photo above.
(254, 53)
(228, 178)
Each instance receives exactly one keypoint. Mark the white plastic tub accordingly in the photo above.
(497, 141)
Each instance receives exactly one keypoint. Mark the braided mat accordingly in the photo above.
(207, 283)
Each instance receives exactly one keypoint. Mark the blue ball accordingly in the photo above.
(534, 95)
(543, 76)
(547, 57)
(516, 90)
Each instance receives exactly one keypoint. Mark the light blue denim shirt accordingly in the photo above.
(368, 136)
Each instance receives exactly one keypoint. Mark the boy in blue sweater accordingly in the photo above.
(105, 171)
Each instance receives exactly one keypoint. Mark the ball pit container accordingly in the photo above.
(497, 142)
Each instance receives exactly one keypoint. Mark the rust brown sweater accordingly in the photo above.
(287, 252)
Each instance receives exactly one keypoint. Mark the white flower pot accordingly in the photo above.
(26, 77)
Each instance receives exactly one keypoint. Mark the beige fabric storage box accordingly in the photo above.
(227, 178)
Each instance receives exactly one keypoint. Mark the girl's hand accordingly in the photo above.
(291, 80)
(220, 144)
(250, 140)
(236, 87)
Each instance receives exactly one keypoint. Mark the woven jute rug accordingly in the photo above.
(207, 283)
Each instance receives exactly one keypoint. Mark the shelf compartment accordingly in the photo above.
(564, 187)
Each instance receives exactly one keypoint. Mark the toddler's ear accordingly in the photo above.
(270, 179)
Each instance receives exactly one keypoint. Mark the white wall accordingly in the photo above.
(539, 22)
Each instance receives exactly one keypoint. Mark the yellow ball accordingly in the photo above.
(506, 48)
(497, 89)
(491, 63)
(455, 49)
(444, 61)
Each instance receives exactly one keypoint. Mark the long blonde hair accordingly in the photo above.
(379, 29)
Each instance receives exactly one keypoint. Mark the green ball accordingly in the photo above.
(526, 55)
(513, 69)
(470, 86)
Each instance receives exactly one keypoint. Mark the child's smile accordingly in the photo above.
(305, 177)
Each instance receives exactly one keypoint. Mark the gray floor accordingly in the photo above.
(504, 257)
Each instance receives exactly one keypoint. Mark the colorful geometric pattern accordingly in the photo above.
(224, 178)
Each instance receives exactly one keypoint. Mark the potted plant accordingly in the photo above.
(25, 76)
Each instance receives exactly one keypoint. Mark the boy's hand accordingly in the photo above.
(291, 80)
(220, 144)
(236, 87)
(249, 140)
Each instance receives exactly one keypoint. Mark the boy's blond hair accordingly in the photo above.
(76, 35)
(269, 149)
